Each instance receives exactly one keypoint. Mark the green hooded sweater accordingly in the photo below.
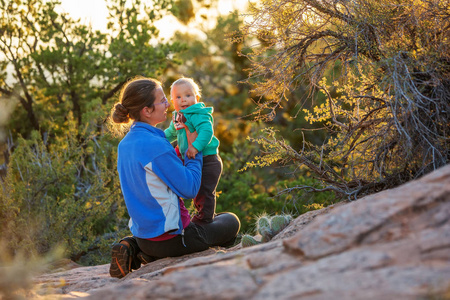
(198, 118)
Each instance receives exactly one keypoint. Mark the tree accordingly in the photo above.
(61, 185)
(217, 66)
(378, 74)
(59, 63)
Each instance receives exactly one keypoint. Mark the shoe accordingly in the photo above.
(124, 258)
(144, 258)
(120, 261)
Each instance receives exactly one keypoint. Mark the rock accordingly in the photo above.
(391, 245)
(382, 217)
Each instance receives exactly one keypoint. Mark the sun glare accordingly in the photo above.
(94, 12)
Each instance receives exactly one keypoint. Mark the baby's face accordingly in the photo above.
(183, 96)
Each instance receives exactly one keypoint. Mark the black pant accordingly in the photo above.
(197, 237)
(205, 201)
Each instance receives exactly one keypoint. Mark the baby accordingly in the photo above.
(195, 116)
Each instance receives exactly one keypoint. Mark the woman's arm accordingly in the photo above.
(183, 180)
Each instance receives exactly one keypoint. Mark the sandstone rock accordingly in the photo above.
(390, 245)
(383, 217)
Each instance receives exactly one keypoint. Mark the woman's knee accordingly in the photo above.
(229, 220)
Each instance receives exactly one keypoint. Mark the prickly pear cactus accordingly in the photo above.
(263, 221)
(279, 222)
(247, 241)
(267, 227)
(263, 228)
(266, 234)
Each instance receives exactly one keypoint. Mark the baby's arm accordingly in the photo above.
(171, 133)
(204, 127)
(191, 152)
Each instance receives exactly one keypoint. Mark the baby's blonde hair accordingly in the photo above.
(187, 80)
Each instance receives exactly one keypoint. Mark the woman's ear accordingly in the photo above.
(145, 113)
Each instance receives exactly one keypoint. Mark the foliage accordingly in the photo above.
(60, 194)
(61, 187)
(252, 193)
(59, 65)
(183, 10)
(243, 193)
(383, 70)
(216, 66)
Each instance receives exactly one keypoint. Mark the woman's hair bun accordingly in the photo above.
(120, 114)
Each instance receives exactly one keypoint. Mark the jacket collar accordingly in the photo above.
(144, 126)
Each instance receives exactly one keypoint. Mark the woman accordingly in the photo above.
(153, 180)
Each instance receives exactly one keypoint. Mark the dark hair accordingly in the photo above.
(136, 94)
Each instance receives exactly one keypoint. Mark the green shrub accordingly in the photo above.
(255, 191)
(65, 193)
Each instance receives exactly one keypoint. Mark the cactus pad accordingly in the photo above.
(247, 241)
(263, 221)
(263, 228)
(279, 222)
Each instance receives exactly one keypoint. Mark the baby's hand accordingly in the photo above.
(191, 151)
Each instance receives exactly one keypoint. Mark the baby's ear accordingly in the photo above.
(198, 97)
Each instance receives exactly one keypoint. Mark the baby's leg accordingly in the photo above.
(205, 201)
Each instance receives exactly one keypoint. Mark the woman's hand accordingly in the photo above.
(191, 152)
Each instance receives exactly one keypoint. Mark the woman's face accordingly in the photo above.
(158, 113)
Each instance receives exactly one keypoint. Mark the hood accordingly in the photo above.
(198, 108)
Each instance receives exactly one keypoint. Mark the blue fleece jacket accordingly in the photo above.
(152, 178)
